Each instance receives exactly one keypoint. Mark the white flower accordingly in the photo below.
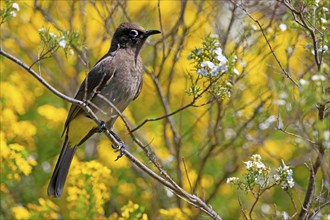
(266, 208)
(12, 13)
(71, 52)
(214, 35)
(325, 9)
(276, 177)
(243, 63)
(52, 34)
(248, 164)
(323, 20)
(264, 125)
(209, 64)
(303, 82)
(280, 102)
(323, 49)
(283, 27)
(285, 215)
(290, 181)
(256, 157)
(222, 59)
(236, 72)
(230, 133)
(62, 43)
(232, 180)
(202, 72)
(283, 95)
(260, 165)
(218, 51)
(318, 77)
(42, 29)
(15, 6)
(326, 135)
(215, 71)
(285, 174)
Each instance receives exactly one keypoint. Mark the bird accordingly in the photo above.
(116, 77)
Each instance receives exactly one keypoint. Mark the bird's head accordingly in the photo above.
(130, 35)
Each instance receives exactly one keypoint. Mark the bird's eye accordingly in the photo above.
(133, 33)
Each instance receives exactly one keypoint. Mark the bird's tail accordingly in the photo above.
(60, 173)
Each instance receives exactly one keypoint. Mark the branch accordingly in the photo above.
(300, 19)
(313, 171)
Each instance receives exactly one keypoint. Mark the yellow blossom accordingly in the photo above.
(21, 161)
(132, 211)
(88, 189)
(13, 98)
(20, 212)
(175, 213)
(53, 114)
(45, 209)
(3, 188)
(15, 161)
(126, 188)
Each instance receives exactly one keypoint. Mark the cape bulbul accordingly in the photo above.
(118, 77)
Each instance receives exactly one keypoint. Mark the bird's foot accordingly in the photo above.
(120, 147)
(102, 127)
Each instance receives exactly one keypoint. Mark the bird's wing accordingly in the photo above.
(139, 90)
(99, 75)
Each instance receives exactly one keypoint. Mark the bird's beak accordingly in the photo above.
(150, 32)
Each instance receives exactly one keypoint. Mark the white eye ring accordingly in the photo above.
(133, 33)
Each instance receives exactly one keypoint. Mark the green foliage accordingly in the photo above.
(68, 41)
(9, 11)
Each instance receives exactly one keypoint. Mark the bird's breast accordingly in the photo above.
(121, 88)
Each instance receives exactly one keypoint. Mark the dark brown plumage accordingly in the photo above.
(118, 77)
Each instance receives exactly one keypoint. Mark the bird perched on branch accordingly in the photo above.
(114, 81)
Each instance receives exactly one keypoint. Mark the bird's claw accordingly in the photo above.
(121, 150)
(120, 147)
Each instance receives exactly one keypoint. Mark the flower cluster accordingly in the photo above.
(130, 211)
(257, 171)
(46, 209)
(176, 213)
(210, 60)
(66, 40)
(260, 176)
(88, 189)
(15, 161)
(10, 11)
(15, 8)
(284, 176)
(232, 180)
(213, 67)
